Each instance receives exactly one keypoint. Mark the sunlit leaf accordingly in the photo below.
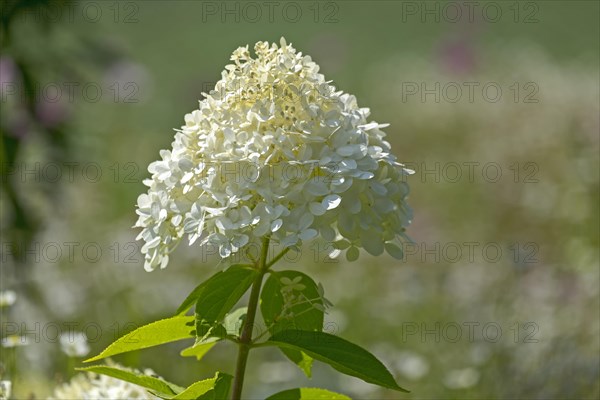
(153, 334)
(235, 320)
(199, 349)
(149, 382)
(216, 388)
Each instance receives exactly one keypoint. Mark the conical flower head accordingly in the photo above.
(275, 150)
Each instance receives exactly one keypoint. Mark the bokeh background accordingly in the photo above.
(495, 105)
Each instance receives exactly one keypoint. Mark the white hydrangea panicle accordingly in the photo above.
(275, 150)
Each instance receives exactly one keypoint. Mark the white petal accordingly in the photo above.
(144, 201)
(348, 150)
(317, 187)
(262, 228)
(316, 208)
(306, 220)
(332, 201)
(353, 205)
(334, 253)
(347, 164)
(151, 244)
(289, 240)
(275, 225)
(362, 174)
(384, 205)
(378, 188)
(164, 261)
(307, 234)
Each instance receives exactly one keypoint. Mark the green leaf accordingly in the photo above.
(231, 326)
(219, 295)
(222, 386)
(303, 311)
(153, 334)
(307, 394)
(149, 382)
(206, 331)
(342, 355)
(300, 358)
(199, 290)
(209, 389)
(197, 389)
(199, 349)
(234, 321)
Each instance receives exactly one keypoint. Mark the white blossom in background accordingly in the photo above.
(90, 386)
(7, 298)
(275, 150)
(14, 341)
(74, 344)
(5, 389)
(461, 378)
(412, 365)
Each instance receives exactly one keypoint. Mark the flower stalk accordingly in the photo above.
(245, 342)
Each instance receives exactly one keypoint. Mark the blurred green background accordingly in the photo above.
(494, 104)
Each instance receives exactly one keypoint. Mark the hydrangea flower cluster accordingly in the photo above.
(275, 150)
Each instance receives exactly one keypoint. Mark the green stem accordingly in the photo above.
(245, 342)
